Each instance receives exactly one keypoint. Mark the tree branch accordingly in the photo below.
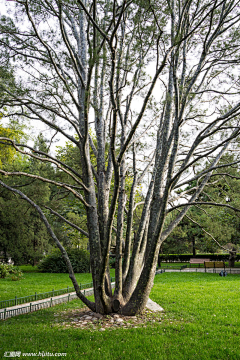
(90, 304)
(68, 222)
(66, 186)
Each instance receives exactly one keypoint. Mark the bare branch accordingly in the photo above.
(68, 222)
(90, 304)
(37, 177)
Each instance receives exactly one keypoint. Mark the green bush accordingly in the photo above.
(8, 269)
(16, 274)
(3, 270)
(54, 262)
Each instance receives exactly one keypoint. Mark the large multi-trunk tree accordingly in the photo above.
(145, 90)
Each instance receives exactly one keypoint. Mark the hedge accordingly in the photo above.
(54, 262)
(187, 257)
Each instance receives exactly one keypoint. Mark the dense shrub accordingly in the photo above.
(187, 257)
(3, 270)
(54, 262)
(9, 270)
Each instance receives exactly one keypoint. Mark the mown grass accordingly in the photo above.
(28, 268)
(39, 283)
(201, 322)
(177, 265)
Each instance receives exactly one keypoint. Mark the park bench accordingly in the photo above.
(214, 265)
(198, 261)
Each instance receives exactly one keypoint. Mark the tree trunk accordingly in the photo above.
(193, 247)
(232, 258)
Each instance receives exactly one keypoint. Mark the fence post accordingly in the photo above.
(15, 300)
(68, 297)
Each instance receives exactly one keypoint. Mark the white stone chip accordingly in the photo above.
(151, 305)
(119, 320)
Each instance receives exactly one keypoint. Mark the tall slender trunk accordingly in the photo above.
(193, 247)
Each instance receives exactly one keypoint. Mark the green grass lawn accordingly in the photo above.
(28, 268)
(39, 283)
(201, 322)
(177, 265)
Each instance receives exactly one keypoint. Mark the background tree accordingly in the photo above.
(222, 223)
(22, 238)
(126, 70)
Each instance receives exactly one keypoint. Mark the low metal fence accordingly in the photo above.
(41, 296)
(203, 270)
(85, 288)
(7, 313)
(214, 271)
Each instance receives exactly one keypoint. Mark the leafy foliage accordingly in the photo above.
(23, 237)
(9, 270)
(54, 263)
(15, 131)
(222, 223)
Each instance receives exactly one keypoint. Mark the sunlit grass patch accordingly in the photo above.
(39, 283)
(201, 321)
